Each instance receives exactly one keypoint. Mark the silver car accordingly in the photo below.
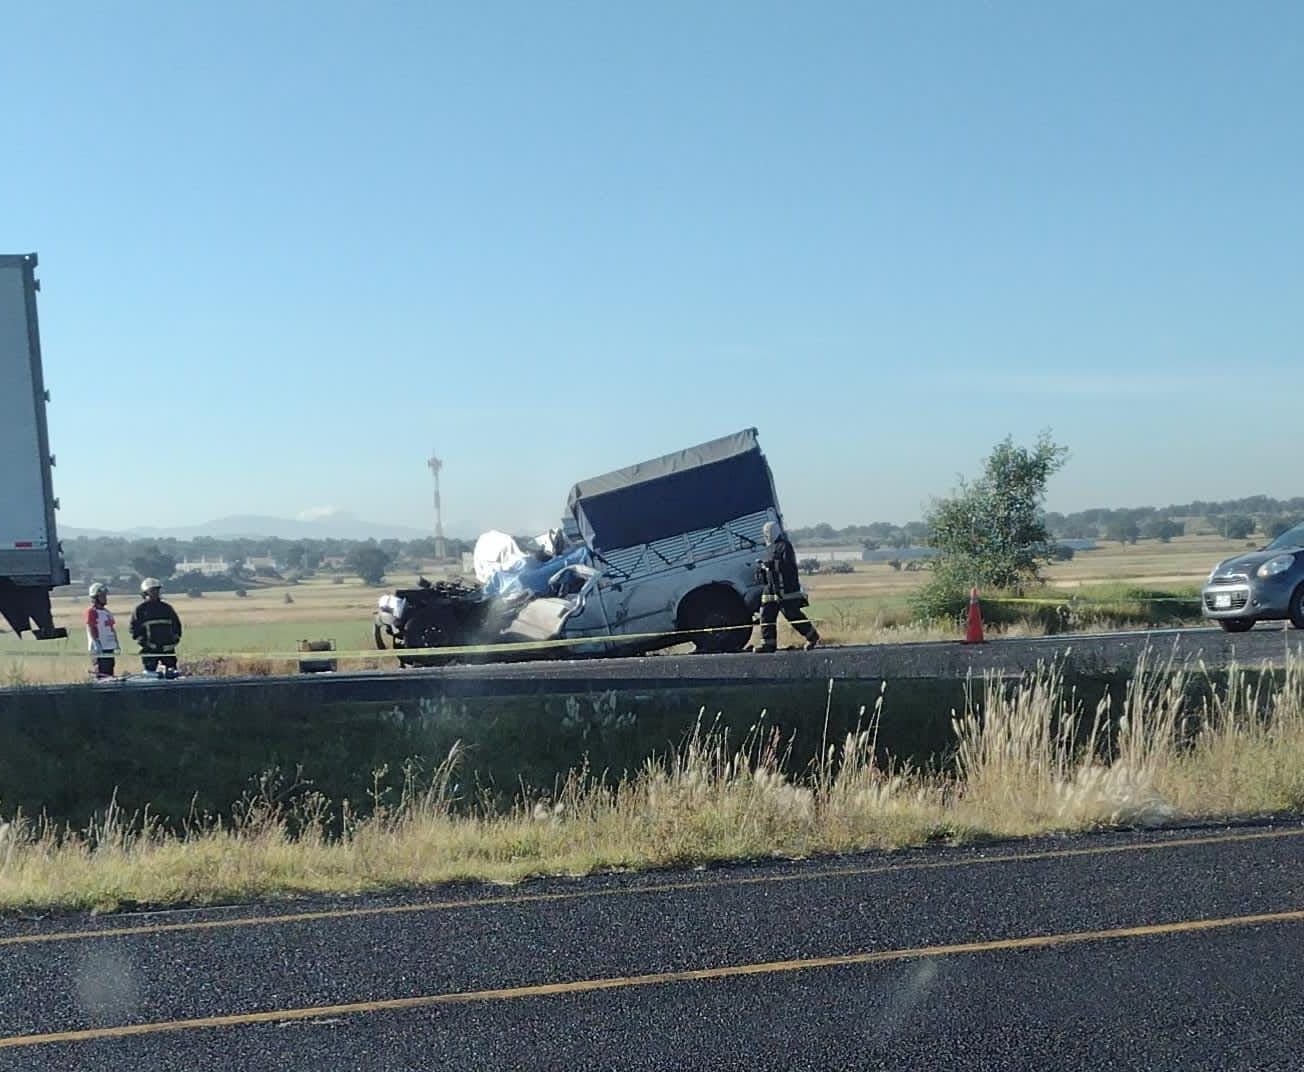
(1262, 585)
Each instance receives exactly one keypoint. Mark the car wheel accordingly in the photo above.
(1236, 625)
(1297, 608)
(722, 611)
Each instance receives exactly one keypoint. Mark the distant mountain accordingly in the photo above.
(333, 526)
(71, 532)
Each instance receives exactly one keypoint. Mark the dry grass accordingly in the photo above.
(1027, 760)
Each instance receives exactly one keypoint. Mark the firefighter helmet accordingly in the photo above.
(148, 583)
(98, 589)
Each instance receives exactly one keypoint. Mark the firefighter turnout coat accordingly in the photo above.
(156, 627)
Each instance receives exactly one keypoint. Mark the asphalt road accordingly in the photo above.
(1178, 950)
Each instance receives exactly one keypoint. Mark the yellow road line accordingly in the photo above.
(588, 986)
(815, 873)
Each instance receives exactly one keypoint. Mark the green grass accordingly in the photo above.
(888, 617)
(349, 635)
(25, 661)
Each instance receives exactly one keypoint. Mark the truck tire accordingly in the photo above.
(715, 608)
(431, 627)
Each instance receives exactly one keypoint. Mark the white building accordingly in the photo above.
(209, 567)
(846, 553)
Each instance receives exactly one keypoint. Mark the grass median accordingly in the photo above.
(1026, 760)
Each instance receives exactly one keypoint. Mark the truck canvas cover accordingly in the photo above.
(698, 488)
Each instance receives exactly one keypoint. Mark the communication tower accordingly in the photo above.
(435, 464)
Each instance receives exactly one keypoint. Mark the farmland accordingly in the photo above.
(868, 605)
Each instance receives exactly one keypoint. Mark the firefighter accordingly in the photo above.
(156, 627)
(778, 571)
(101, 634)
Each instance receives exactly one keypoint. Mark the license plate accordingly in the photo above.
(1222, 600)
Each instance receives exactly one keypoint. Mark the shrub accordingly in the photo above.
(992, 532)
(837, 567)
(809, 565)
(199, 582)
(1237, 526)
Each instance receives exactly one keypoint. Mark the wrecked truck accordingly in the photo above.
(657, 554)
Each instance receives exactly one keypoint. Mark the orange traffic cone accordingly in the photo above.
(973, 633)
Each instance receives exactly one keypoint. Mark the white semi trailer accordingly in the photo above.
(31, 560)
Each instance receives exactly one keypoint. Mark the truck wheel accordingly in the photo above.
(1297, 608)
(1236, 625)
(716, 609)
(433, 627)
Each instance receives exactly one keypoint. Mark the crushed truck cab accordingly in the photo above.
(653, 555)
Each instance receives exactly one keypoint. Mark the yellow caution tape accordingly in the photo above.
(1077, 602)
(545, 645)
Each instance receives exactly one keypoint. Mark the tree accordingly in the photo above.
(152, 562)
(1236, 526)
(1123, 529)
(1162, 529)
(1075, 528)
(368, 561)
(1277, 525)
(992, 533)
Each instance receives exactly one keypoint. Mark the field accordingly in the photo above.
(219, 623)
(868, 605)
(1121, 579)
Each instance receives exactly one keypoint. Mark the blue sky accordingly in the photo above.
(286, 249)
